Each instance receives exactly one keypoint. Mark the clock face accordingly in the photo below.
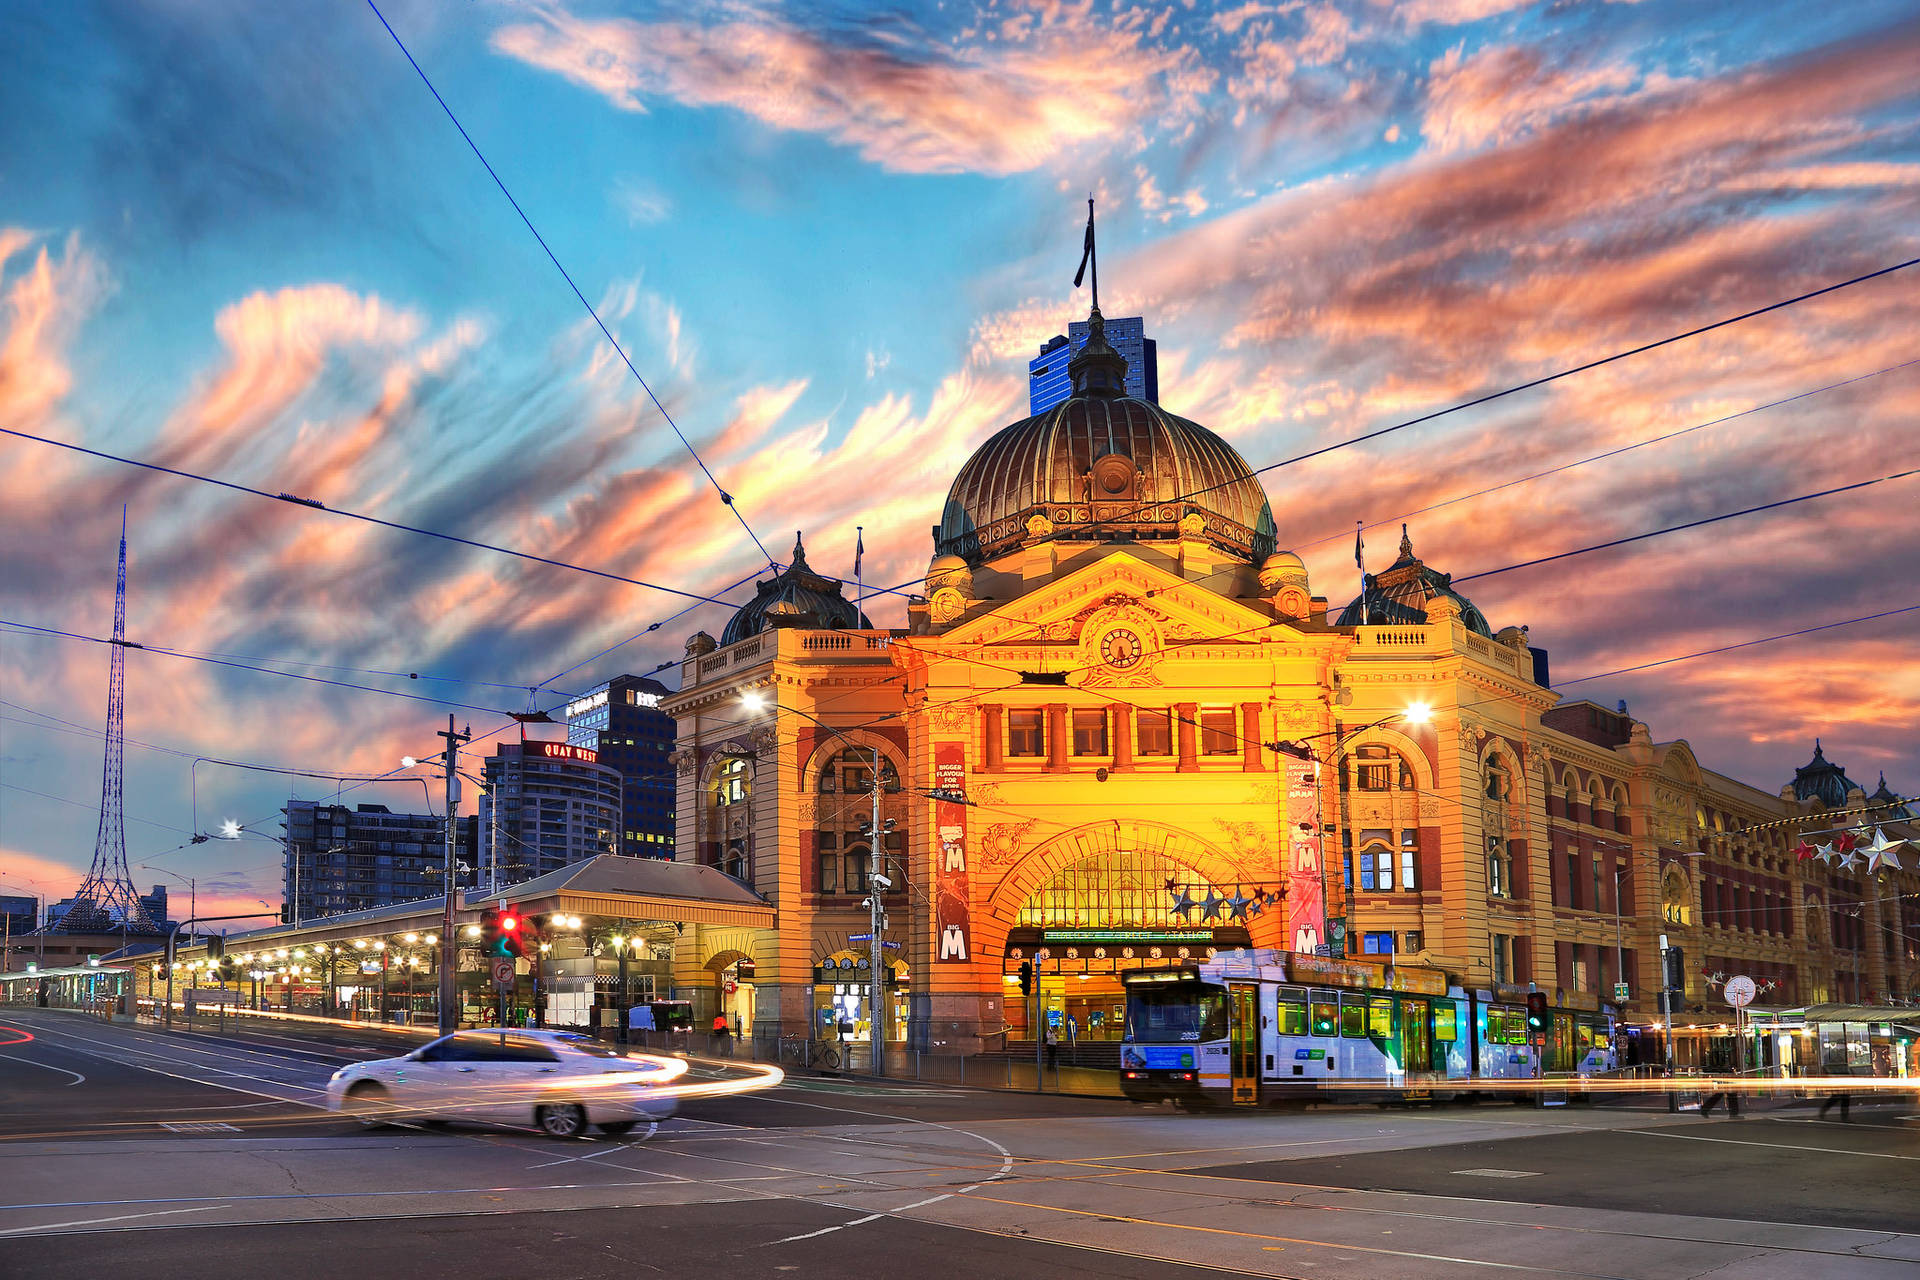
(1121, 648)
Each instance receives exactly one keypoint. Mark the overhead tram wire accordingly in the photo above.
(1488, 398)
(726, 498)
(900, 588)
(1610, 453)
(1743, 644)
(1461, 578)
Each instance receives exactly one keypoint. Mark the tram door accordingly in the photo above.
(1416, 1036)
(1243, 1046)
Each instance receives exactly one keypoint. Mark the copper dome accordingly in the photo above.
(1103, 469)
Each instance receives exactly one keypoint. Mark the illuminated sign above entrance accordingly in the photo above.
(1202, 936)
(566, 751)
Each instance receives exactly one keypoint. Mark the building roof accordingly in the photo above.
(1884, 798)
(1400, 594)
(795, 597)
(1821, 779)
(1102, 466)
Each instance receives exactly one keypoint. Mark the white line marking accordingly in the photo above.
(77, 1077)
(1771, 1146)
(94, 1222)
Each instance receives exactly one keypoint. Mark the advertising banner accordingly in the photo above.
(1306, 905)
(952, 922)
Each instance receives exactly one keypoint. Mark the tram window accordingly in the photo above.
(1326, 1017)
(1353, 1017)
(1444, 1028)
(1380, 1017)
(1293, 1018)
(1185, 1012)
(1517, 1032)
(1496, 1026)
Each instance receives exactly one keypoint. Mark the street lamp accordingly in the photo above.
(755, 701)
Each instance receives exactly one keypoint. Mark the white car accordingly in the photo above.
(556, 1081)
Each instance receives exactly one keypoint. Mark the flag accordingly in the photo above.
(1086, 253)
(859, 549)
(1359, 548)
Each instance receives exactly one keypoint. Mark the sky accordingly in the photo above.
(245, 241)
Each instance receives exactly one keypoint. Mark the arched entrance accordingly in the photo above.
(843, 992)
(734, 977)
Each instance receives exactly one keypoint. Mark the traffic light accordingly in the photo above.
(1676, 969)
(1026, 977)
(216, 947)
(1536, 1012)
(490, 933)
(513, 937)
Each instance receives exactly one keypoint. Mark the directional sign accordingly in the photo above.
(503, 971)
(1620, 993)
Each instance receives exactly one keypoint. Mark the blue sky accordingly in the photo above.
(244, 239)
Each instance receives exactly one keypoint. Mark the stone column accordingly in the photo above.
(1185, 715)
(1122, 730)
(1056, 737)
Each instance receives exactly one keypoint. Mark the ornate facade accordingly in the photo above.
(1120, 728)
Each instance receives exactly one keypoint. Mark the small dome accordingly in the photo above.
(1282, 562)
(699, 643)
(945, 564)
(1895, 806)
(1821, 779)
(795, 597)
(1400, 594)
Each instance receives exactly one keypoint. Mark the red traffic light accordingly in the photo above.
(509, 922)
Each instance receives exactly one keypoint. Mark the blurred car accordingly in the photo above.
(555, 1081)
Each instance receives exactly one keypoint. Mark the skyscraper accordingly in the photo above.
(1047, 380)
(622, 720)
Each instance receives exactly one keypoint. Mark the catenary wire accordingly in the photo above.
(1743, 644)
(725, 497)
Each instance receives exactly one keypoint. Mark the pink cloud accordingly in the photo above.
(1506, 92)
(913, 107)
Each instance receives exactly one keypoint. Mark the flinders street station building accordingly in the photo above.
(1122, 728)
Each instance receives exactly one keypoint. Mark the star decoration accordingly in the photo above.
(1182, 903)
(1828, 853)
(1805, 851)
(1880, 852)
(1237, 905)
(1844, 843)
(1848, 859)
(1210, 906)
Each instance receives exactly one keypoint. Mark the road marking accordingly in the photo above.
(1495, 1173)
(94, 1222)
(200, 1126)
(77, 1077)
(1772, 1146)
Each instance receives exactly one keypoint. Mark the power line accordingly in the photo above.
(242, 666)
(1614, 453)
(1691, 524)
(725, 497)
(1744, 644)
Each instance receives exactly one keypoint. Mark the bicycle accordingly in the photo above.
(827, 1056)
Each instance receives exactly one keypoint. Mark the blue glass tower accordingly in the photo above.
(1047, 380)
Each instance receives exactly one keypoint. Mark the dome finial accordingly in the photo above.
(1406, 544)
(799, 553)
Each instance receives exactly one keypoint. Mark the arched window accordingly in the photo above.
(1676, 905)
(1377, 768)
(843, 831)
(1499, 783)
(732, 798)
(731, 783)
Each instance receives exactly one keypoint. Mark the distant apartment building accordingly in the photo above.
(546, 805)
(155, 903)
(622, 720)
(1047, 380)
(340, 858)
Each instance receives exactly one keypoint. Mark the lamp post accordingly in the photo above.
(877, 883)
(1416, 714)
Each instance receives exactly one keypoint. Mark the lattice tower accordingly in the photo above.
(107, 902)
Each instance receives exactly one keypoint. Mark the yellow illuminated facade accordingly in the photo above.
(1166, 744)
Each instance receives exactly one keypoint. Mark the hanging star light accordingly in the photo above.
(1182, 903)
(1210, 906)
(1843, 843)
(1805, 852)
(1848, 860)
(1880, 852)
(1237, 905)
(1827, 853)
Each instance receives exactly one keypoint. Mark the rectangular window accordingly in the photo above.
(1499, 879)
(1406, 869)
(1155, 733)
(828, 839)
(856, 868)
(1445, 1030)
(1090, 732)
(1376, 869)
(1353, 1017)
(1502, 948)
(1217, 734)
(1380, 1016)
(1293, 1017)
(1376, 777)
(829, 873)
(1414, 941)
(1026, 733)
(1326, 1017)
(1377, 944)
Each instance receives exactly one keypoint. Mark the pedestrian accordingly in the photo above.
(1732, 1098)
(1841, 1096)
(722, 1036)
(1053, 1046)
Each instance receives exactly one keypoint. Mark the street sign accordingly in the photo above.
(1620, 993)
(503, 971)
(1739, 991)
(1323, 949)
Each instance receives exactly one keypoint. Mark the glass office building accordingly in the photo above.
(1047, 380)
(622, 720)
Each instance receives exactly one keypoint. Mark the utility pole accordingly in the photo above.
(449, 947)
(876, 976)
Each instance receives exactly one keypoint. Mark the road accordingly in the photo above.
(206, 1155)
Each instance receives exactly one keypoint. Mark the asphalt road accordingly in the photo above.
(206, 1155)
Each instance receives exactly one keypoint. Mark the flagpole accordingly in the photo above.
(1360, 562)
(1093, 251)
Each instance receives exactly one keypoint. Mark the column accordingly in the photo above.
(1056, 737)
(1253, 752)
(1185, 715)
(1120, 718)
(994, 721)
